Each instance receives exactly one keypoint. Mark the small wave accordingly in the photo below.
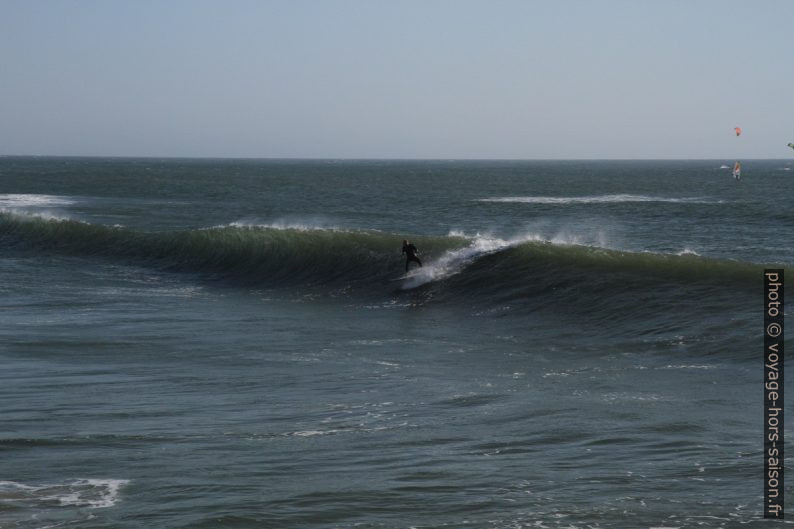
(31, 200)
(599, 199)
(51, 215)
(296, 224)
(91, 493)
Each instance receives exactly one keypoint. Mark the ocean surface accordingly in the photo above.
(234, 344)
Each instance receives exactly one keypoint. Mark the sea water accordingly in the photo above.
(233, 343)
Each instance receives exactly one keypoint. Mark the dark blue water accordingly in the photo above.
(233, 343)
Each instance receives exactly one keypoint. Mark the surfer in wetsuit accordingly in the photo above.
(410, 254)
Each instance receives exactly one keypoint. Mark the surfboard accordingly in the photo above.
(405, 276)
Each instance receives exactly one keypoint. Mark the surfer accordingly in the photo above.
(410, 254)
(737, 170)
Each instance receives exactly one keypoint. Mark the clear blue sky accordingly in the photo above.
(397, 79)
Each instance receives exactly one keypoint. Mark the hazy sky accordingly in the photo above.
(397, 79)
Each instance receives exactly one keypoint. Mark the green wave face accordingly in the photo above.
(460, 266)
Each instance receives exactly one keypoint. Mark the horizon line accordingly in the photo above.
(365, 158)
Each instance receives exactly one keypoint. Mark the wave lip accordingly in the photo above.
(456, 260)
(286, 224)
(599, 199)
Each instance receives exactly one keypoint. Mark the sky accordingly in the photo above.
(444, 79)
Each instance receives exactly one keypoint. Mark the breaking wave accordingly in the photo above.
(459, 266)
(91, 493)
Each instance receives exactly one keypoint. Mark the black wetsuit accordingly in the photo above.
(410, 255)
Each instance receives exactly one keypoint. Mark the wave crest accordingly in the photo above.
(334, 258)
(600, 199)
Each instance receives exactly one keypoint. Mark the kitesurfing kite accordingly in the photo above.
(791, 145)
(738, 130)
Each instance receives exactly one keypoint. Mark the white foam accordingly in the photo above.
(8, 486)
(91, 493)
(30, 200)
(312, 224)
(23, 214)
(688, 366)
(333, 431)
(313, 433)
(35, 206)
(454, 261)
(598, 199)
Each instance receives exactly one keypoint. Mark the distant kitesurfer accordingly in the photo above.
(410, 254)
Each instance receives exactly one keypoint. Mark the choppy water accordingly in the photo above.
(217, 344)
